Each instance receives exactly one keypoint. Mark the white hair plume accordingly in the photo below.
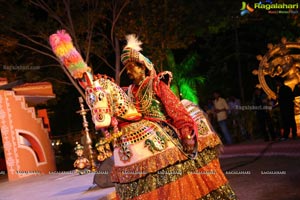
(133, 42)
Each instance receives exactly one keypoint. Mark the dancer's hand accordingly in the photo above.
(189, 143)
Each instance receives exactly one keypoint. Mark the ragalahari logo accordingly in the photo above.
(270, 7)
(246, 9)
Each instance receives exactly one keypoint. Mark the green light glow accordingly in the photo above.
(184, 83)
(188, 93)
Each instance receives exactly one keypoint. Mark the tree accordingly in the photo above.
(98, 29)
(185, 77)
(30, 23)
(160, 25)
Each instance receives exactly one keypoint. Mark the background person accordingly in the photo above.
(221, 109)
(263, 117)
(286, 106)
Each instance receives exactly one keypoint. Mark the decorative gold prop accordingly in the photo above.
(88, 140)
(281, 60)
(103, 146)
(104, 150)
(81, 164)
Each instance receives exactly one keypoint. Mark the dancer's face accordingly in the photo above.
(135, 72)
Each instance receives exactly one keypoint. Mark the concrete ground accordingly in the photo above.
(263, 171)
(53, 187)
(256, 170)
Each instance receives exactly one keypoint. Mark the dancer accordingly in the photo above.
(160, 152)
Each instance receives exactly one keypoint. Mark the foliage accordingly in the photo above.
(185, 80)
(29, 24)
(161, 25)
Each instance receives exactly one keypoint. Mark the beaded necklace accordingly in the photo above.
(142, 98)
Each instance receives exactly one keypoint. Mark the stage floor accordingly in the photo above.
(255, 169)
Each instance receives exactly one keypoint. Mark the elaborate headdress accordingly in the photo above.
(78, 147)
(131, 53)
(63, 48)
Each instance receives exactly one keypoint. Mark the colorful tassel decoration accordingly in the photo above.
(63, 48)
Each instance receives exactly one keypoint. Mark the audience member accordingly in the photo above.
(285, 99)
(264, 120)
(221, 108)
(236, 118)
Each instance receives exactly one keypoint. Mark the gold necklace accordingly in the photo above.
(144, 96)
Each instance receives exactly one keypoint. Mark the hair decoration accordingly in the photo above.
(133, 42)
